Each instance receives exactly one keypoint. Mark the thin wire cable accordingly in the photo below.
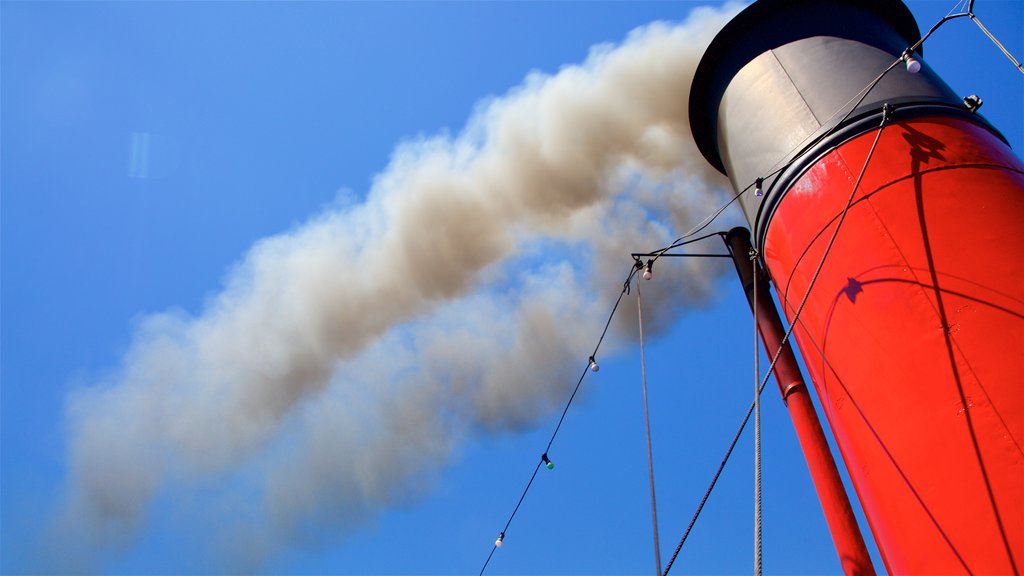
(969, 12)
(625, 290)
(887, 112)
(708, 220)
(757, 428)
(647, 421)
(711, 486)
(999, 44)
(604, 332)
(957, 7)
(697, 228)
(518, 504)
(679, 243)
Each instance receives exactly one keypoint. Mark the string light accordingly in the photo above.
(913, 64)
(547, 461)
(593, 365)
(759, 187)
(648, 273)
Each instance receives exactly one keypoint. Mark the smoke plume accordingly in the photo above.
(348, 356)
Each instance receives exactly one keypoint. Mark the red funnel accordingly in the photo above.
(913, 333)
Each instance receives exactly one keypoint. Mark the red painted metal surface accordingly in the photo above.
(913, 335)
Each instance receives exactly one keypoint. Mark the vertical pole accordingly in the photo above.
(842, 524)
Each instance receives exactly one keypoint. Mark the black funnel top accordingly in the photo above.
(769, 24)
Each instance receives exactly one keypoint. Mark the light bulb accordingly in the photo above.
(593, 365)
(547, 461)
(759, 187)
(497, 543)
(648, 273)
(913, 65)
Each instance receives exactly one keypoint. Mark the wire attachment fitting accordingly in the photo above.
(887, 111)
(973, 102)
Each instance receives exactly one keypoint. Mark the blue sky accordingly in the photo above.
(147, 147)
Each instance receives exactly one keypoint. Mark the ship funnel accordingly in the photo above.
(891, 211)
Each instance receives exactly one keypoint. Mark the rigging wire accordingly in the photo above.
(998, 44)
(956, 6)
(647, 421)
(969, 13)
(886, 116)
(757, 426)
(697, 228)
(634, 270)
(711, 486)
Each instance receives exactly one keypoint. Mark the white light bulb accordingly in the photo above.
(647, 274)
(593, 365)
(759, 187)
(497, 543)
(913, 65)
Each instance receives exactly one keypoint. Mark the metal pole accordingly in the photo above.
(842, 524)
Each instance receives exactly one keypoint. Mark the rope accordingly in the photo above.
(757, 428)
(647, 421)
